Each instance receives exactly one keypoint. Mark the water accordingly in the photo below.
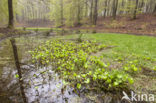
(39, 88)
(41, 84)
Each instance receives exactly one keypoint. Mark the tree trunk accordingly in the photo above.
(95, 12)
(105, 9)
(61, 12)
(91, 11)
(135, 10)
(11, 15)
(86, 8)
(13, 43)
(154, 11)
(115, 7)
(78, 12)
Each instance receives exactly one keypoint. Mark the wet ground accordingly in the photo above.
(41, 84)
(39, 87)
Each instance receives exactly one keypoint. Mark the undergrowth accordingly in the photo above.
(79, 68)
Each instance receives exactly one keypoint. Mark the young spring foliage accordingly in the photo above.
(78, 67)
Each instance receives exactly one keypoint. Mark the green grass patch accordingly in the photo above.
(126, 46)
(141, 45)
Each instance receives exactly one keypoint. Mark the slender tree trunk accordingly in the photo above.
(13, 43)
(91, 11)
(115, 7)
(142, 4)
(78, 12)
(105, 9)
(135, 10)
(154, 11)
(95, 12)
(11, 15)
(61, 1)
(122, 6)
(86, 8)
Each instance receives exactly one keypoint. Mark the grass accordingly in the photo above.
(125, 44)
(127, 49)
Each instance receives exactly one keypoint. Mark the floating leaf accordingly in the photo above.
(16, 76)
(36, 87)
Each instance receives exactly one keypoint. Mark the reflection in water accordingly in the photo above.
(39, 87)
(41, 84)
(45, 86)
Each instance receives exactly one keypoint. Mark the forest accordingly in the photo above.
(77, 51)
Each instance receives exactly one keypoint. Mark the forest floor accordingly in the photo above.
(5, 32)
(145, 24)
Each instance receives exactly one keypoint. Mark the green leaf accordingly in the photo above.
(90, 73)
(78, 76)
(115, 84)
(36, 87)
(131, 81)
(75, 74)
(135, 69)
(83, 75)
(119, 76)
(108, 81)
(87, 81)
(64, 82)
(79, 86)
(154, 68)
(16, 76)
(86, 65)
(126, 68)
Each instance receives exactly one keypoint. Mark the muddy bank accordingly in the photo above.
(5, 33)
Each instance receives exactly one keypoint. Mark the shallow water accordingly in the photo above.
(41, 84)
(40, 88)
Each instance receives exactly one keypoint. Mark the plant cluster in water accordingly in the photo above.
(79, 68)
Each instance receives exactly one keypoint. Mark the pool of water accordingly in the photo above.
(41, 84)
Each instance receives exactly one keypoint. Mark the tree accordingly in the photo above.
(135, 10)
(95, 12)
(11, 15)
(3, 11)
(71, 12)
(105, 9)
(86, 8)
(78, 12)
(154, 10)
(61, 4)
(91, 11)
(115, 7)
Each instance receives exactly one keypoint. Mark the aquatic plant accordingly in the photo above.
(78, 67)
